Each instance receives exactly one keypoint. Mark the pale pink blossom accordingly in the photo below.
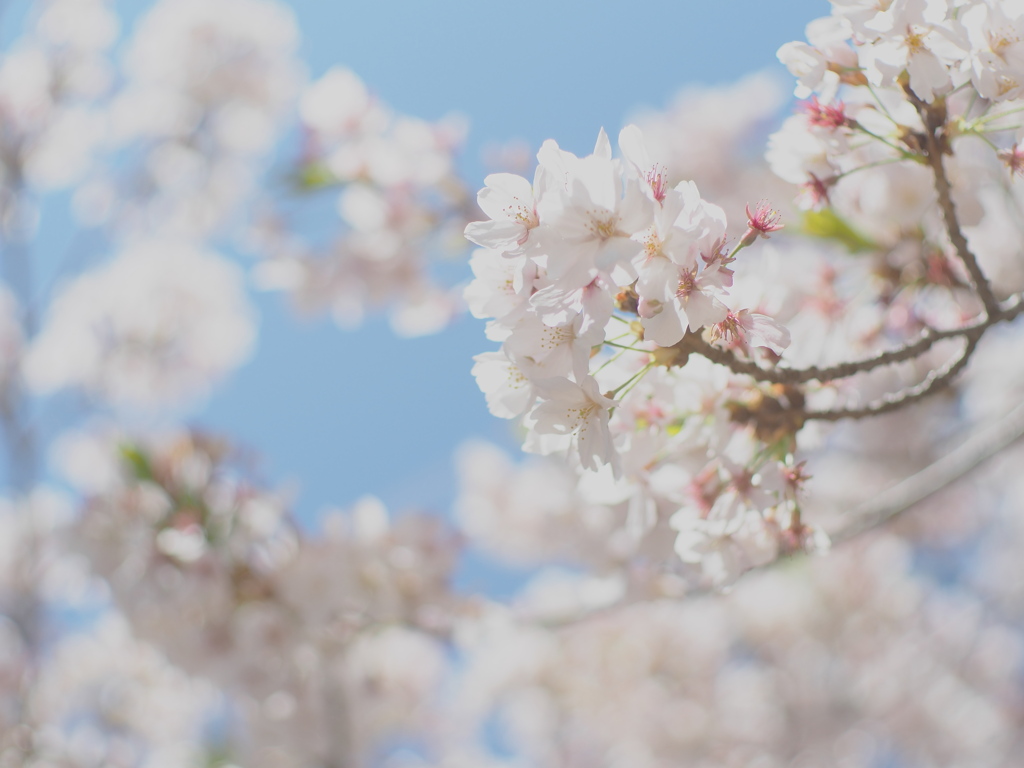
(578, 411)
(745, 329)
(915, 36)
(158, 325)
(509, 201)
(996, 35)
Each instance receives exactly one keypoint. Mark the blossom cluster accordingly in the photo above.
(207, 87)
(145, 311)
(930, 46)
(398, 200)
(301, 632)
(600, 280)
(612, 289)
(903, 69)
(824, 660)
(51, 83)
(821, 663)
(154, 327)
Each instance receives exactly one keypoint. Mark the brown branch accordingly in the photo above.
(784, 375)
(781, 375)
(956, 236)
(936, 144)
(935, 381)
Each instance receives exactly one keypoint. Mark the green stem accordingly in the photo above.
(986, 139)
(623, 346)
(876, 164)
(1000, 129)
(988, 119)
(904, 154)
(610, 360)
(970, 105)
(881, 106)
(739, 247)
(632, 380)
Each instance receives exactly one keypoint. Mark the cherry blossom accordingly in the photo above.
(578, 411)
(158, 325)
(508, 200)
(620, 273)
(400, 203)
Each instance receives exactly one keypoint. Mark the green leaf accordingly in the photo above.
(828, 225)
(675, 427)
(137, 461)
(313, 176)
(782, 447)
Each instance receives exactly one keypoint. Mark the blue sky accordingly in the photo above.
(345, 413)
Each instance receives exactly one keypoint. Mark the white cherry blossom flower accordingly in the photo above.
(587, 223)
(724, 548)
(559, 305)
(800, 151)
(745, 329)
(675, 294)
(677, 299)
(502, 287)
(996, 35)
(562, 350)
(507, 383)
(914, 36)
(508, 199)
(815, 64)
(857, 13)
(634, 150)
(578, 411)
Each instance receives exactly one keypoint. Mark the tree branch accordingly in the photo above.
(337, 720)
(934, 118)
(932, 383)
(782, 375)
(956, 236)
(974, 451)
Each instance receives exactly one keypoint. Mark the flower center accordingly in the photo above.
(1001, 40)
(603, 224)
(659, 183)
(522, 213)
(687, 284)
(915, 41)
